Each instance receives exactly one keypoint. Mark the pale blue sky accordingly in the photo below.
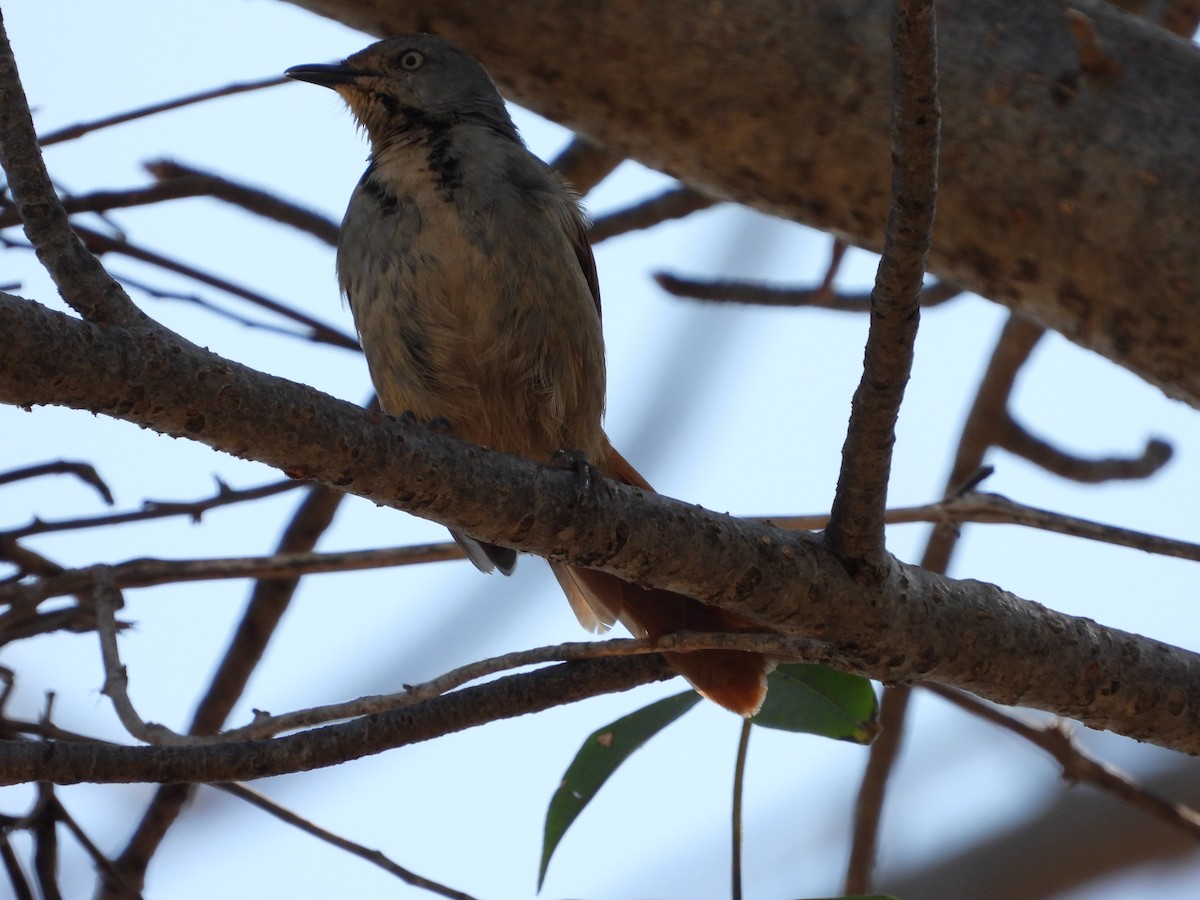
(734, 408)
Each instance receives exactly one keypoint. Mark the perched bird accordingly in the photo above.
(465, 262)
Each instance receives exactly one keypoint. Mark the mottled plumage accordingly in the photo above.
(465, 262)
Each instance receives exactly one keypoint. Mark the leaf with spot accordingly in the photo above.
(601, 754)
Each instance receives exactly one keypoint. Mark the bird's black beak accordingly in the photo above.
(324, 75)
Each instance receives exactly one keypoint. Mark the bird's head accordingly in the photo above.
(411, 83)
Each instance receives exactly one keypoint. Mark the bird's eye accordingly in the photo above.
(411, 60)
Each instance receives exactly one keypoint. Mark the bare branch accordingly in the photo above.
(820, 297)
(672, 204)
(855, 529)
(984, 641)
(78, 275)
(44, 830)
(116, 682)
(148, 572)
(174, 175)
(773, 645)
(584, 164)
(1078, 766)
(73, 762)
(77, 131)
(211, 307)
(1016, 439)
(996, 509)
(1012, 350)
(12, 868)
(868, 810)
(85, 472)
(374, 857)
(177, 182)
(320, 332)
(157, 509)
(268, 603)
(125, 891)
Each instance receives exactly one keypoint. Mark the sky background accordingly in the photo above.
(738, 409)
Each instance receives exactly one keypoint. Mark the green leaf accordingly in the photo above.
(819, 700)
(599, 757)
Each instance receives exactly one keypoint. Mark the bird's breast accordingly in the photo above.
(471, 306)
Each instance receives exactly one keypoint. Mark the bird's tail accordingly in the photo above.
(735, 679)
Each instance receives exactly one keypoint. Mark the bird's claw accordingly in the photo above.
(587, 476)
(440, 424)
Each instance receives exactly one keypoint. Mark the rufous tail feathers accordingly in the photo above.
(735, 679)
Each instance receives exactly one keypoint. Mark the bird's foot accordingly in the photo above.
(440, 424)
(587, 477)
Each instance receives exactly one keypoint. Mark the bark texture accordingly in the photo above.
(1069, 187)
(914, 625)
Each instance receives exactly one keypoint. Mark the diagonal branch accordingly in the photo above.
(71, 762)
(375, 857)
(584, 164)
(855, 529)
(916, 625)
(77, 131)
(78, 275)
(268, 602)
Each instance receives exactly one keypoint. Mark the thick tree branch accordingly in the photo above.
(797, 124)
(917, 625)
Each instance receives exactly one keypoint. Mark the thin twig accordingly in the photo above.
(375, 857)
(855, 529)
(773, 645)
(736, 831)
(320, 332)
(176, 181)
(268, 603)
(158, 509)
(78, 275)
(819, 297)
(1076, 765)
(254, 200)
(506, 697)
(868, 808)
(584, 164)
(675, 203)
(122, 888)
(996, 509)
(85, 472)
(1017, 440)
(12, 867)
(837, 253)
(116, 680)
(76, 131)
(148, 572)
(209, 306)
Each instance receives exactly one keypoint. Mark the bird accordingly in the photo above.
(465, 261)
